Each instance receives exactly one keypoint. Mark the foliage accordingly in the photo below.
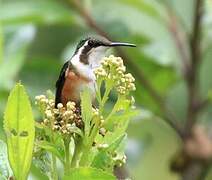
(37, 36)
(20, 131)
(95, 136)
(89, 173)
(5, 171)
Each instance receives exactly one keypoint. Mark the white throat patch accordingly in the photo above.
(94, 58)
(96, 55)
(83, 69)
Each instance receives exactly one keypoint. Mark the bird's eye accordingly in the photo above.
(90, 42)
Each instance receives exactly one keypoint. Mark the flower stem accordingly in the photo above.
(109, 86)
(115, 108)
(86, 150)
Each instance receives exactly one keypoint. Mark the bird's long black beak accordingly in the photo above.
(113, 44)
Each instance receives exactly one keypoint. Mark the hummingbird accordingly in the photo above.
(78, 72)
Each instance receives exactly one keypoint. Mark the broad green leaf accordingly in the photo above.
(86, 108)
(147, 20)
(88, 156)
(42, 161)
(115, 144)
(162, 78)
(76, 130)
(162, 51)
(103, 160)
(152, 145)
(20, 131)
(151, 8)
(175, 105)
(89, 174)
(50, 147)
(119, 121)
(1, 44)
(5, 171)
(34, 70)
(35, 172)
(139, 22)
(15, 51)
(24, 11)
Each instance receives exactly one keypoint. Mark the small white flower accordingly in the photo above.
(59, 105)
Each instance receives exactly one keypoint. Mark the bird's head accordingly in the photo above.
(91, 50)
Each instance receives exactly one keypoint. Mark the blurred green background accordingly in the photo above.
(38, 36)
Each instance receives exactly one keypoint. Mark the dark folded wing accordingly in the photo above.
(60, 82)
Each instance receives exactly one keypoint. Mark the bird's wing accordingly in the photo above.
(60, 82)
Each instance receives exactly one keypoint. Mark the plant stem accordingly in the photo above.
(94, 131)
(53, 163)
(77, 153)
(109, 86)
(87, 147)
(54, 168)
(67, 153)
(84, 158)
(98, 92)
(114, 109)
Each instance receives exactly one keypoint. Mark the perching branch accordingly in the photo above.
(190, 63)
(141, 77)
(192, 78)
(179, 40)
(194, 169)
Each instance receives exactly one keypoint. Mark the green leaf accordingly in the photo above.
(48, 11)
(14, 56)
(1, 45)
(86, 108)
(5, 171)
(76, 130)
(104, 161)
(174, 105)
(146, 26)
(38, 68)
(37, 173)
(144, 6)
(155, 144)
(119, 121)
(42, 161)
(89, 174)
(20, 131)
(57, 151)
(115, 144)
(162, 51)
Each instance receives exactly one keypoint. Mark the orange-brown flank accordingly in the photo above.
(70, 91)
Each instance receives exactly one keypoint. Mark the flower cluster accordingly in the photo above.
(62, 119)
(97, 114)
(112, 68)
